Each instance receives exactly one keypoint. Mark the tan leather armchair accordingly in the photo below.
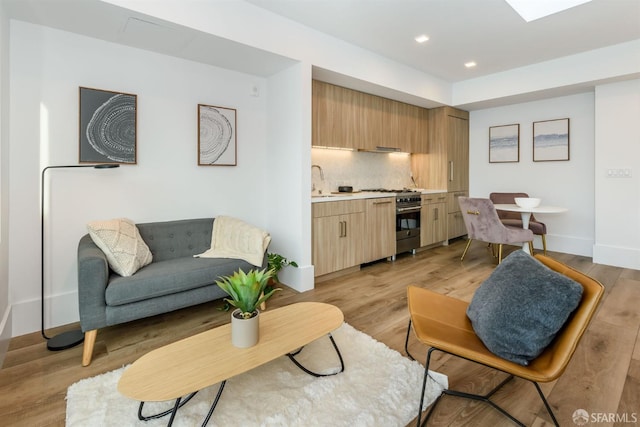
(440, 322)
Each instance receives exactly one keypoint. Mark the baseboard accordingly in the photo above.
(617, 256)
(5, 334)
(566, 244)
(60, 310)
(298, 278)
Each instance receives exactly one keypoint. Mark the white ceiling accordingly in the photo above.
(488, 32)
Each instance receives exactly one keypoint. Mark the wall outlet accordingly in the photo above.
(255, 91)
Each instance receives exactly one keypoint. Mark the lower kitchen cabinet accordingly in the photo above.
(433, 219)
(455, 221)
(380, 236)
(338, 235)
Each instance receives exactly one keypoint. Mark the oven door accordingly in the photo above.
(407, 229)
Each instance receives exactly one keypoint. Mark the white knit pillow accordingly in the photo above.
(122, 244)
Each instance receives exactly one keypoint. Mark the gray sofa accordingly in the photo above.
(174, 280)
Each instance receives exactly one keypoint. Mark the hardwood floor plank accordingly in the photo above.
(604, 375)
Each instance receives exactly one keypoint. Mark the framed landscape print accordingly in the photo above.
(551, 140)
(217, 141)
(504, 143)
(107, 126)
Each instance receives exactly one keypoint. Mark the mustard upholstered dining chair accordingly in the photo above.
(482, 222)
(514, 219)
(442, 323)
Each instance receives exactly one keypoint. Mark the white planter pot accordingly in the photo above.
(245, 332)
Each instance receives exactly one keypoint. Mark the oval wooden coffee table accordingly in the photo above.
(180, 369)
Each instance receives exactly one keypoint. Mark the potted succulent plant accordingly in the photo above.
(246, 292)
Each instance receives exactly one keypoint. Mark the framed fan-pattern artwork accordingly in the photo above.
(107, 126)
(217, 136)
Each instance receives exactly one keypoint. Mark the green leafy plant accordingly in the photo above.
(277, 262)
(245, 290)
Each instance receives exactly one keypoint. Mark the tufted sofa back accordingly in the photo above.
(177, 239)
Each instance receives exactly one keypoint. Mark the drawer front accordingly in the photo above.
(434, 198)
(343, 207)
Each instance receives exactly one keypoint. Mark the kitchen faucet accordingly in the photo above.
(313, 185)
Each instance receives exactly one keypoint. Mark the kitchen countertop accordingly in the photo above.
(334, 197)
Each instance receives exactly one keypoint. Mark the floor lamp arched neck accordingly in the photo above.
(74, 337)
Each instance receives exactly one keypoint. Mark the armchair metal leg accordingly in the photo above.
(544, 243)
(466, 248)
(500, 253)
(483, 398)
(531, 247)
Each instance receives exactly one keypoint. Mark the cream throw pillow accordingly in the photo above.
(121, 242)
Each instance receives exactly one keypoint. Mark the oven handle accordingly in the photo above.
(408, 210)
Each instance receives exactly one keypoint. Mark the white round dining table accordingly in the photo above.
(525, 214)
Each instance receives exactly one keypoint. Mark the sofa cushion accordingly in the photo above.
(519, 309)
(169, 277)
(122, 244)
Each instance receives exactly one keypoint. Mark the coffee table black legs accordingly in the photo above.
(171, 411)
(179, 404)
(315, 374)
(215, 403)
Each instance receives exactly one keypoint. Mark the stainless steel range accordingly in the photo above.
(408, 205)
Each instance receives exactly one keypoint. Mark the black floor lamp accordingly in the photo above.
(72, 338)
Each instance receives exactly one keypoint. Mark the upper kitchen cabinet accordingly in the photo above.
(413, 126)
(448, 149)
(337, 116)
(346, 118)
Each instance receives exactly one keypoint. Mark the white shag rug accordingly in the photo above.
(379, 387)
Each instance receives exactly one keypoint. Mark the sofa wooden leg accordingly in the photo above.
(87, 351)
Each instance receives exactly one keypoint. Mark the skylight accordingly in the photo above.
(531, 10)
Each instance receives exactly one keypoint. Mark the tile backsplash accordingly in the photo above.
(360, 169)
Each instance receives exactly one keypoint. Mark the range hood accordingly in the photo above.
(381, 149)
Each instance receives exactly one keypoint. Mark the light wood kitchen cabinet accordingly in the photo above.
(345, 118)
(447, 165)
(337, 116)
(433, 219)
(448, 149)
(455, 221)
(338, 235)
(380, 236)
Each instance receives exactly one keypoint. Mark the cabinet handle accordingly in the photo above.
(343, 229)
(451, 170)
(382, 203)
(435, 214)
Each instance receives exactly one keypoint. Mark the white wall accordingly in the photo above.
(47, 67)
(568, 184)
(288, 166)
(5, 308)
(617, 111)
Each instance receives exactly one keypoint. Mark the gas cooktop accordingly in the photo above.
(385, 190)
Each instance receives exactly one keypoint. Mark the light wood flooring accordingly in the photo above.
(603, 377)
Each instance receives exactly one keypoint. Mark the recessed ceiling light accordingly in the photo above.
(422, 38)
(470, 64)
(531, 10)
